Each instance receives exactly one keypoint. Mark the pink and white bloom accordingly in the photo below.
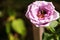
(41, 13)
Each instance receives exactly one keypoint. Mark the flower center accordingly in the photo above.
(41, 14)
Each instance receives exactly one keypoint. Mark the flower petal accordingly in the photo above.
(55, 15)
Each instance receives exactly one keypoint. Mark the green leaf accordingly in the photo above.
(57, 37)
(59, 20)
(53, 24)
(11, 37)
(19, 27)
(1, 14)
(51, 29)
(8, 27)
(48, 36)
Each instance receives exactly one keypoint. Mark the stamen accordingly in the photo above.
(41, 14)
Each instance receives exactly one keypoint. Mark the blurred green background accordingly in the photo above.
(13, 23)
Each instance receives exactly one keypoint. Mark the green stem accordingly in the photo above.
(57, 37)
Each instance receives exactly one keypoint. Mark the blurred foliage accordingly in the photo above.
(19, 26)
(11, 37)
(1, 14)
(12, 12)
(16, 24)
(52, 25)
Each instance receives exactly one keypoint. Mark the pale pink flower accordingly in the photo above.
(41, 13)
